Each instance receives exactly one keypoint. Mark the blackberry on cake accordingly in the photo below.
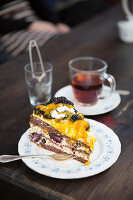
(57, 126)
(57, 100)
(75, 117)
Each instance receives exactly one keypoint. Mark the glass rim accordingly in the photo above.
(47, 63)
(87, 58)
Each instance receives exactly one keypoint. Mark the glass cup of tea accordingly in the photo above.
(88, 75)
(39, 83)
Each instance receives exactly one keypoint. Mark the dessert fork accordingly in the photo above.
(57, 156)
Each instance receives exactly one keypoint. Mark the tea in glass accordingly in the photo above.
(87, 87)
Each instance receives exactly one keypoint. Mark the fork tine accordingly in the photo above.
(61, 156)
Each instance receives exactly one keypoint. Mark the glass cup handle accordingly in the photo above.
(112, 83)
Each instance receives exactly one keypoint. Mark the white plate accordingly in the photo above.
(103, 106)
(106, 151)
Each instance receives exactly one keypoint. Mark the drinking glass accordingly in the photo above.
(87, 76)
(39, 90)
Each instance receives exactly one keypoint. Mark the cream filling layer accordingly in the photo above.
(64, 142)
(63, 146)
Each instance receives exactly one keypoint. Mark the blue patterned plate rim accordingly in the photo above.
(106, 152)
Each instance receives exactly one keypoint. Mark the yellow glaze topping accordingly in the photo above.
(78, 129)
(87, 163)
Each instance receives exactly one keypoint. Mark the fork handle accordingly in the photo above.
(9, 158)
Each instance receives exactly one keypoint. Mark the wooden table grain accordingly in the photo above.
(97, 37)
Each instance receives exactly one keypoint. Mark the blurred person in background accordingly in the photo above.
(24, 20)
(20, 23)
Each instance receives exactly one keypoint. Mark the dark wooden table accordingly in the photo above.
(97, 37)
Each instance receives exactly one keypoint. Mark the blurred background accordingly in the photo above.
(23, 20)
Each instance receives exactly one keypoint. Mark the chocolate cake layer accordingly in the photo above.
(45, 126)
(55, 150)
(39, 136)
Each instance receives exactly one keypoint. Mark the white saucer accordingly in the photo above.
(103, 106)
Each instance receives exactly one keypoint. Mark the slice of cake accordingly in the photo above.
(59, 127)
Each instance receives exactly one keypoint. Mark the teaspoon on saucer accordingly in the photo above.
(123, 92)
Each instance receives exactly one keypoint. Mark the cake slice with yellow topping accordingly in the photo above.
(59, 127)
